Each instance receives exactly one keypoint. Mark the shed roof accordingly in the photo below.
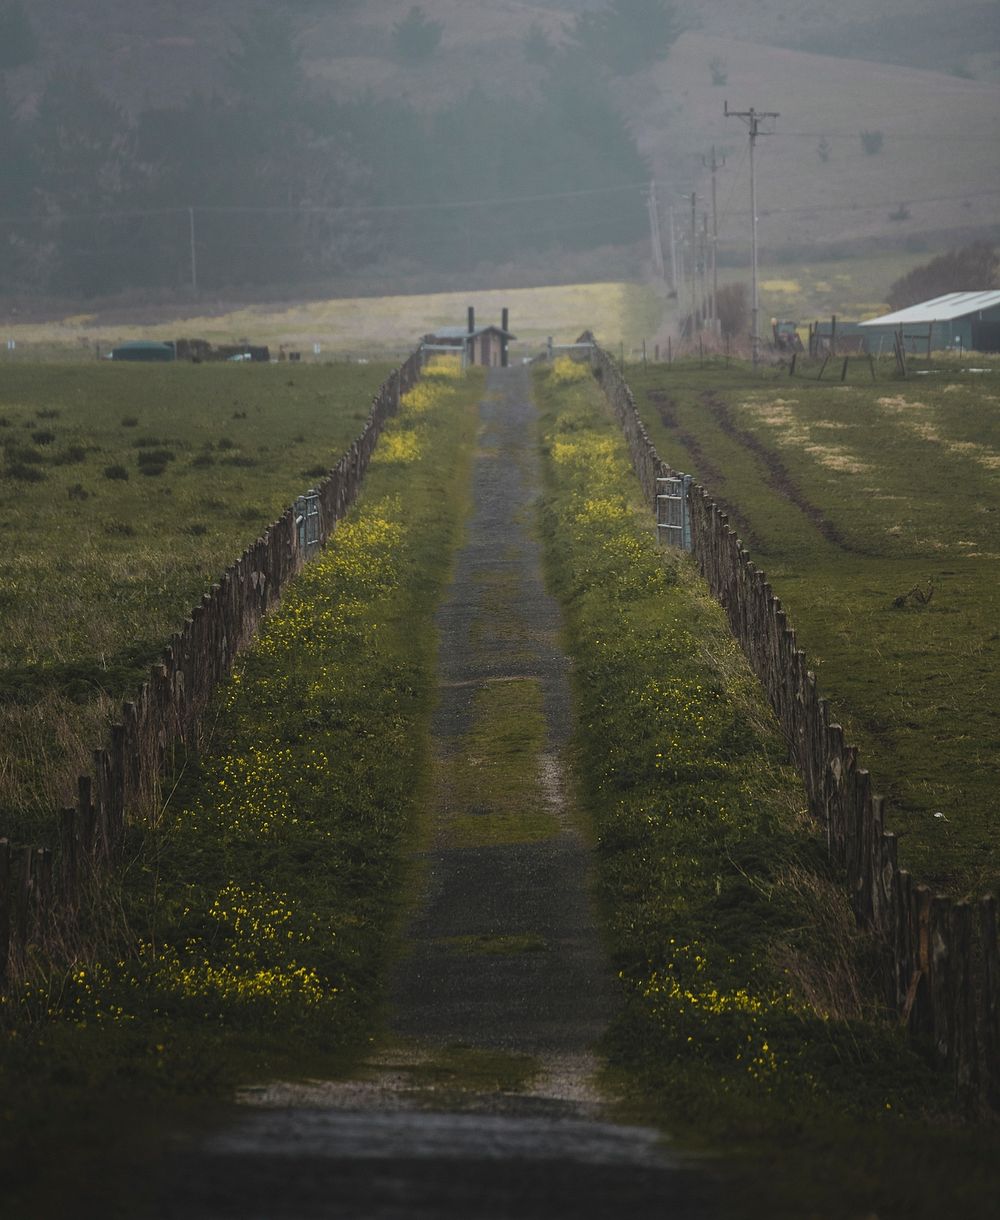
(940, 309)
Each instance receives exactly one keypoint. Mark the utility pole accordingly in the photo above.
(753, 118)
(194, 259)
(673, 255)
(714, 165)
(654, 230)
(694, 263)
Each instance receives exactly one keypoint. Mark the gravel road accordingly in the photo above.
(484, 1101)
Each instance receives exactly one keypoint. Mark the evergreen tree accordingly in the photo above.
(628, 35)
(18, 42)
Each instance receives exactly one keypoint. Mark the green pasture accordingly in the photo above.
(248, 937)
(126, 491)
(749, 1024)
(874, 508)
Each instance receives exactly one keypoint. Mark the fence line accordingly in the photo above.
(940, 961)
(45, 891)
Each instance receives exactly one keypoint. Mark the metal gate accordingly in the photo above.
(307, 522)
(673, 517)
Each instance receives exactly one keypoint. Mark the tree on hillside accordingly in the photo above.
(733, 310)
(265, 69)
(416, 38)
(628, 35)
(973, 268)
(18, 43)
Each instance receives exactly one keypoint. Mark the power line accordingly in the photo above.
(753, 119)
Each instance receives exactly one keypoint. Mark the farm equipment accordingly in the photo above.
(786, 336)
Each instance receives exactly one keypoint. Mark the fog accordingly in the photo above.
(312, 145)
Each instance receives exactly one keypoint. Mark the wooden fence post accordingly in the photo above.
(6, 901)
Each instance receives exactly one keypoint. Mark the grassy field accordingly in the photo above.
(873, 508)
(933, 124)
(258, 913)
(748, 1022)
(364, 326)
(126, 491)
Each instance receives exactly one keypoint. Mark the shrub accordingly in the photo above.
(537, 46)
(152, 469)
(239, 460)
(43, 436)
(129, 421)
(972, 268)
(203, 459)
(117, 471)
(119, 529)
(628, 35)
(871, 142)
(226, 442)
(415, 38)
(196, 529)
(733, 309)
(70, 455)
(18, 41)
(78, 492)
(48, 413)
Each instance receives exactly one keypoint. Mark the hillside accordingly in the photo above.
(937, 156)
(483, 118)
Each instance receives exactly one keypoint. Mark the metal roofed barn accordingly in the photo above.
(969, 321)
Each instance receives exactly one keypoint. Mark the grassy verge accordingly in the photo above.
(748, 1024)
(261, 912)
(127, 490)
(873, 510)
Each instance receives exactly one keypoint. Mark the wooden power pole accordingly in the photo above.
(753, 118)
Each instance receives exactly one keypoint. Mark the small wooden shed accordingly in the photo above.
(486, 345)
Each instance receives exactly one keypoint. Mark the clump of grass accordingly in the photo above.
(155, 457)
(225, 442)
(23, 453)
(240, 460)
(43, 436)
(316, 472)
(119, 529)
(77, 491)
(48, 413)
(130, 421)
(25, 472)
(116, 471)
(197, 529)
(202, 460)
(70, 456)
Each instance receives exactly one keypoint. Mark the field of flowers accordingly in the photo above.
(873, 509)
(256, 916)
(746, 1018)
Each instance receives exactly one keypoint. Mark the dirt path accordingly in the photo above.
(484, 1103)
